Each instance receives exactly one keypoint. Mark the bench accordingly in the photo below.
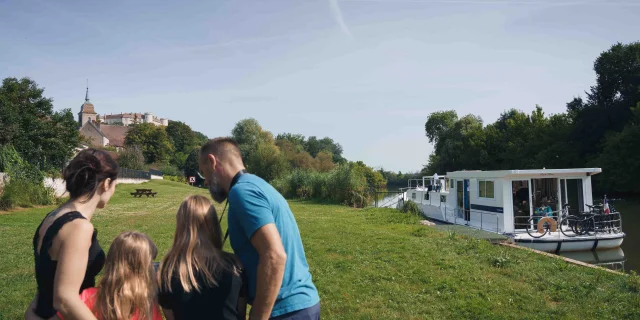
(144, 192)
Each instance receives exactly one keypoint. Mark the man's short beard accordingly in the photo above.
(217, 192)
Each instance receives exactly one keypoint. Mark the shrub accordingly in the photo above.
(181, 179)
(411, 207)
(171, 170)
(131, 158)
(25, 187)
(344, 184)
(24, 193)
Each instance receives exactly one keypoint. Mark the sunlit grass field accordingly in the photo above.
(366, 263)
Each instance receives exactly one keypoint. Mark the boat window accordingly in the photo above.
(426, 196)
(443, 198)
(485, 189)
(451, 184)
(413, 195)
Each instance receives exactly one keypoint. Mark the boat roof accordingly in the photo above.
(532, 173)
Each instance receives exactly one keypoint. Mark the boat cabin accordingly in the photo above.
(501, 201)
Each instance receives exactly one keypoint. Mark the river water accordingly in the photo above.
(626, 258)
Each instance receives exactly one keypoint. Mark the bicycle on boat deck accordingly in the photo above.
(588, 223)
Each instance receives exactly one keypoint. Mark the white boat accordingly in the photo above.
(525, 205)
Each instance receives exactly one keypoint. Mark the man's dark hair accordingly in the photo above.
(223, 148)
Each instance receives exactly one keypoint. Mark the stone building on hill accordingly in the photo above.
(88, 113)
(99, 134)
(110, 130)
(133, 118)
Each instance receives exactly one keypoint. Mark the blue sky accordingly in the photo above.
(365, 72)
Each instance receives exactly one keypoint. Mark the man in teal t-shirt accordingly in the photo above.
(264, 234)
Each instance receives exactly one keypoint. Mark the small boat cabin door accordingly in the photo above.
(467, 201)
(462, 193)
(572, 192)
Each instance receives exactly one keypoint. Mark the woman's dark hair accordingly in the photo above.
(87, 171)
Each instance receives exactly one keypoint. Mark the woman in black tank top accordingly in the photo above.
(65, 246)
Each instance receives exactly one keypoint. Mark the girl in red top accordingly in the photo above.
(127, 289)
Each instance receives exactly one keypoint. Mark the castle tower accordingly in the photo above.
(87, 113)
(148, 117)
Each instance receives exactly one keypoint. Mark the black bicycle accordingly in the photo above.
(570, 225)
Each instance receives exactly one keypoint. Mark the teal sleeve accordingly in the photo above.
(253, 210)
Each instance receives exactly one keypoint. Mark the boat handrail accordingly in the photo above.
(600, 226)
(482, 219)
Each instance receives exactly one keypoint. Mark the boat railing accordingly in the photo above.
(485, 222)
(591, 223)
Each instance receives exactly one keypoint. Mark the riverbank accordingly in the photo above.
(367, 264)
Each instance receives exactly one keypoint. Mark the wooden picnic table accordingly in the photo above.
(144, 192)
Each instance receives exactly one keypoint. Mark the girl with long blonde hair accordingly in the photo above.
(128, 287)
(197, 279)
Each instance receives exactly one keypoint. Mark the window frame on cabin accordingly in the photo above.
(482, 189)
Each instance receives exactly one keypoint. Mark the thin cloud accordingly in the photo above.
(337, 15)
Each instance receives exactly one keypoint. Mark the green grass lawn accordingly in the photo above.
(366, 263)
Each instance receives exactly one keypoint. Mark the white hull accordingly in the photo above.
(557, 242)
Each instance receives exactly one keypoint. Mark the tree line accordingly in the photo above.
(601, 130)
(36, 141)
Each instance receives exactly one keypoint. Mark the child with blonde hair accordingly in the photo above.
(197, 279)
(128, 287)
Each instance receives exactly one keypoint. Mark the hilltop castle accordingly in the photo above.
(87, 114)
(112, 129)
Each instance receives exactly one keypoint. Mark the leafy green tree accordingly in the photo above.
(181, 135)
(375, 180)
(296, 141)
(201, 138)
(315, 146)
(267, 161)
(438, 123)
(248, 134)
(41, 136)
(609, 102)
(191, 166)
(153, 140)
(620, 158)
(183, 139)
(324, 161)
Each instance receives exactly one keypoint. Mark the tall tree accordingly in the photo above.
(259, 151)
(41, 136)
(181, 135)
(153, 140)
(313, 145)
(184, 140)
(438, 123)
(247, 133)
(609, 102)
(297, 141)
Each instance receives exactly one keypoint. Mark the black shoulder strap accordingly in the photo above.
(226, 234)
(55, 227)
(233, 183)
